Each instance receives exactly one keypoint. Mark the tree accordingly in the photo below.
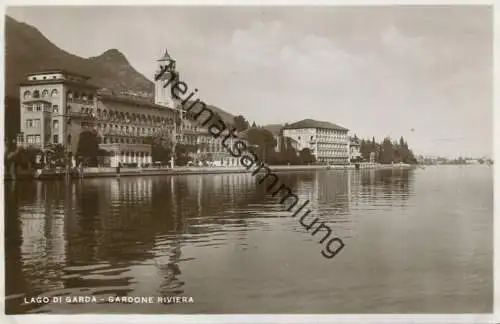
(290, 154)
(264, 142)
(183, 153)
(240, 123)
(56, 155)
(161, 149)
(205, 158)
(88, 147)
(26, 157)
(365, 149)
(386, 151)
(306, 157)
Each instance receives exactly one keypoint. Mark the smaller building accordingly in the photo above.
(354, 146)
(55, 107)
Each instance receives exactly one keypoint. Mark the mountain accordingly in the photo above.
(28, 50)
(226, 117)
(275, 129)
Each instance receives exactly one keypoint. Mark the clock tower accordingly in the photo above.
(165, 76)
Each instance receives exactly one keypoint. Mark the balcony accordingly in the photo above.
(82, 115)
(81, 101)
(26, 144)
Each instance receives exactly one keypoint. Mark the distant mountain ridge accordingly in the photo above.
(27, 50)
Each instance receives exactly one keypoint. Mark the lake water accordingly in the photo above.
(416, 241)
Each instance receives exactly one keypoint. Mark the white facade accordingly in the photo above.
(165, 75)
(328, 145)
(354, 147)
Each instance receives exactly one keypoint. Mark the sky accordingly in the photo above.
(424, 73)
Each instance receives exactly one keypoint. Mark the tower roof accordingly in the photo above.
(166, 56)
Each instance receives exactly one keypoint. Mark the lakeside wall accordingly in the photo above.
(106, 172)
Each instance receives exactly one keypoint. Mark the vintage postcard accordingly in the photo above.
(249, 160)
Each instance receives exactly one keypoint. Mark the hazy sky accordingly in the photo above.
(375, 70)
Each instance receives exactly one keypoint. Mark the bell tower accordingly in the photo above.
(164, 78)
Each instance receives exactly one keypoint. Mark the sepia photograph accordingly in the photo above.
(248, 159)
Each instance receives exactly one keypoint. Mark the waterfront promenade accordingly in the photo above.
(106, 172)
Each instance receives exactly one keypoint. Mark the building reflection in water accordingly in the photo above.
(96, 236)
(395, 185)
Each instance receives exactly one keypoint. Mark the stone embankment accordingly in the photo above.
(126, 172)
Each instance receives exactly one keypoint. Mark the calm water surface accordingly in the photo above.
(417, 241)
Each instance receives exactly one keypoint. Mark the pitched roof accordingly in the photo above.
(131, 101)
(62, 71)
(311, 123)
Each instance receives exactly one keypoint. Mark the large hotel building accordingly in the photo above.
(328, 142)
(57, 105)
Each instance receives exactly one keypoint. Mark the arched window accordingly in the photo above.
(27, 95)
(54, 93)
(70, 95)
(45, 93)
(36, 94)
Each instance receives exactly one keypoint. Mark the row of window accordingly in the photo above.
(36, 139)
(32, 123)
(42, 106)
(332, 137)
(71, 96)
(136, 140)
(130, 118)
(329, 146)
(322, 131)
(325, 138)
(45, 93)
(115, 140)
(32, 139)
(333, 153)
(212, 148)
(37, 94)
(42, 77)
(127, 129)
(131, 153)
(36, 123)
